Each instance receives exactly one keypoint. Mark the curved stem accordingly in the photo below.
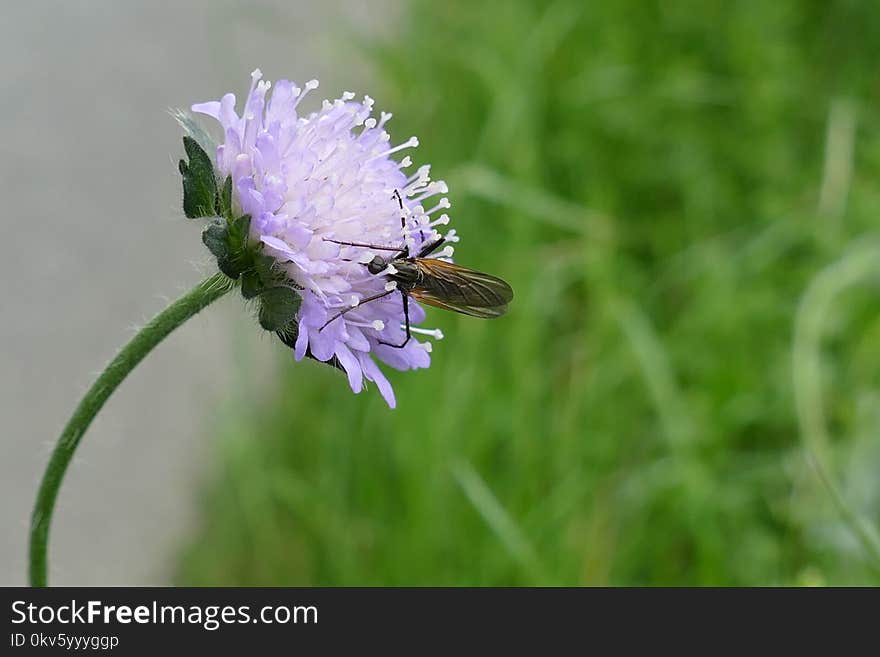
(125, 361)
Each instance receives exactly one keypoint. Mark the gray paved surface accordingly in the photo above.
(93, 244)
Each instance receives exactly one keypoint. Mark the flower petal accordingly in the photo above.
(211, 108)
(373, 373)
(352, 367)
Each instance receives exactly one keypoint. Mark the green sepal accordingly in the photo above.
(224, 198)
(238, 232)
(199, 184)
(228, 243)
(288, 334)
(278, 308)
(264, 266)
(215, 236)
(251, 285)
(262, 275)
(228, 267)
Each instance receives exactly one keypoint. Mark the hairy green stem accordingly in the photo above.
(130, 355)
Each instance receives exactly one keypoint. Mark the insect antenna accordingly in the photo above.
(403, 215)
(364, 245)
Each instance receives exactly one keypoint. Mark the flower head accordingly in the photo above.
(306, 179)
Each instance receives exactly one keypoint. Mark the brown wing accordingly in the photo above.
(486, 312)
(467, 291)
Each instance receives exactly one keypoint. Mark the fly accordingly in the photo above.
(434, 282)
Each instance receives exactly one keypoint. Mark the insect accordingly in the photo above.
(434, 282)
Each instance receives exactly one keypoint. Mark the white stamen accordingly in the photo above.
(427, 346)
(412, 142)
(347, 95)
(355, 301)
(309, 86)
(422, 174)
(378, 325)
(390, 285)
(444, 204)
(366, 257)
(363, 325)
(446, 252)
(437, 334)
(390, 270)
(416, 225)
(436, 187)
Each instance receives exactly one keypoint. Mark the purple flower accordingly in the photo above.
(329, 175)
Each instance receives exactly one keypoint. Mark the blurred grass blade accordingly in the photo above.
(838, 165)
(653, 360)
(489, 185)
(860, 262)
(498, 520)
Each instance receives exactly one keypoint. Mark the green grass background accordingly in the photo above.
(685, 197)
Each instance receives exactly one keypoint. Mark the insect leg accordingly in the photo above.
(400, 203)
(405, 252)
(430, 248)
(406, 318)
(363, 301)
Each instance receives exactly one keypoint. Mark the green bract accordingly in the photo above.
(199, 184)
(227, 237)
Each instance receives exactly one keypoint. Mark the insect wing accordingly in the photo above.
(453, 287)
(486, 312)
